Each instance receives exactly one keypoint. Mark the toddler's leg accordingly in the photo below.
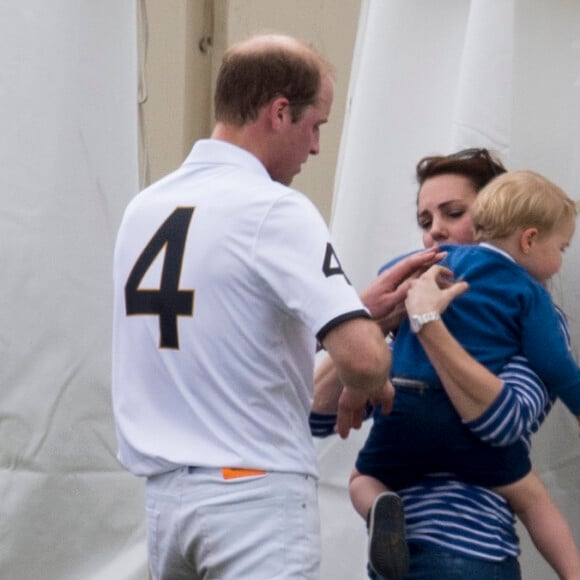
(363, 491)
(545, 523)
(385, 517)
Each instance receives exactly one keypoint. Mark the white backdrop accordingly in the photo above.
(68, 165)
(434, 77)
(428, 77)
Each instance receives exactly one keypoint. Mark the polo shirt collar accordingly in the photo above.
(210, 151)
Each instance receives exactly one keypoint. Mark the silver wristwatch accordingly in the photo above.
(418, 321)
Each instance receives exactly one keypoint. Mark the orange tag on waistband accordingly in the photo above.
(235, 472)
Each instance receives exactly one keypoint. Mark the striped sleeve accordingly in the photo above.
(322, 424)
(522, 405)
(518, 410)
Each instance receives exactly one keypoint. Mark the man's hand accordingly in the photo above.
(433, 291)
(352, 407)
(386, 295)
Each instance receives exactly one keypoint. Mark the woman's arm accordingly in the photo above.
(518, 411)
(469, 385)
(498, 410)
(473, 389)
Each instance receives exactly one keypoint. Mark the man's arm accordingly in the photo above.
(384, 299)
(362, 363)
(360, 355)
(327, 387)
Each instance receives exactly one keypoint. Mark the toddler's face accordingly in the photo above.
(545, 255)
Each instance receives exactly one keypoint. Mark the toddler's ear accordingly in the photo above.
(527, 239)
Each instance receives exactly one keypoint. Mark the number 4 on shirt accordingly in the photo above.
(168, 301)
(331, 265)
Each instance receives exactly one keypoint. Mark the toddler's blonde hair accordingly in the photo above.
(520, 199)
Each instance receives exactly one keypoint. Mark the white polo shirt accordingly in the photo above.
(223, 279)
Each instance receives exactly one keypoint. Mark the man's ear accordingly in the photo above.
(527, 239)
(279, 112)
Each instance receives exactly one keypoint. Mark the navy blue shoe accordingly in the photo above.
(388, 551)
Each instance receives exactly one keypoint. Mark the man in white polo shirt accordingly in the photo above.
(225, 279)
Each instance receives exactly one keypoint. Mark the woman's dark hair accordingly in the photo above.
(478, 165)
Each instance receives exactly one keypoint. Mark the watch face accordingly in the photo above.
(415, 324)
(417, 321)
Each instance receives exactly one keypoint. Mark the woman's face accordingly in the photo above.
(443, 210)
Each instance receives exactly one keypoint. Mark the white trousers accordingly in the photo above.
(201, 526)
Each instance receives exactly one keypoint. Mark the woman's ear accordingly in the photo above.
(527, 239)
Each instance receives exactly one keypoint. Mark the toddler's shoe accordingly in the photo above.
(388, 551)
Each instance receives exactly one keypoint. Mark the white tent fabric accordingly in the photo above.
(428, 77)
(68, 166)
(434, 77)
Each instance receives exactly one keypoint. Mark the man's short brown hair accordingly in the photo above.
(255, 71)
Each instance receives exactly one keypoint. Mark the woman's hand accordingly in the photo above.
(433, 291)
(385, 297)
